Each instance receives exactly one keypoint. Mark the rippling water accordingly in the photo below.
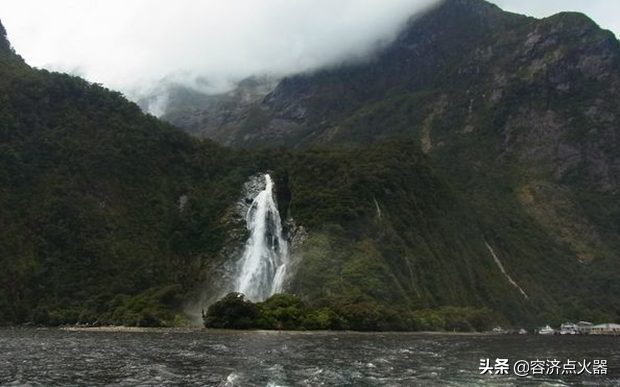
(222, 358)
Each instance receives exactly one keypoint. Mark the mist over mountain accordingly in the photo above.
(467, 174)
(207, 46)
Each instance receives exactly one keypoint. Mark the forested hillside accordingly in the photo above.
(92, 224)
(472, 164)
(517, 114)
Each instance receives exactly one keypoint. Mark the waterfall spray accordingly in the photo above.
(265, 257)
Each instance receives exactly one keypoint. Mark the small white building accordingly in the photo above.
(605, 329)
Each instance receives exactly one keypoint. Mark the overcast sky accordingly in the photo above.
(127, 44)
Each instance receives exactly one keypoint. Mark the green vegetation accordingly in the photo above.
(91, 224)
(520, 144)
(288, 312)
(109, 216)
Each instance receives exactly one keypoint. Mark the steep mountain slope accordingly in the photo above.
(99, 216)
(463, 77)
(496, 100)
(518, 114)
(111, 216)
(469, 50)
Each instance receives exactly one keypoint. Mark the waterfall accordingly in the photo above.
(265, 257)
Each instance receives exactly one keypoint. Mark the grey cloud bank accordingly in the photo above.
(128, 44)
(132, 45)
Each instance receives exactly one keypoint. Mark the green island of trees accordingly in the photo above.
(289, 312)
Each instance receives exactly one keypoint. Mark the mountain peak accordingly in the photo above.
(476, 5)
(455, 18)
(478, 8)
(575, 21)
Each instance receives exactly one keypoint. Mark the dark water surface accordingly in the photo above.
(50, 357)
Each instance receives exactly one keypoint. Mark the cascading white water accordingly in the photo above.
(265, 258)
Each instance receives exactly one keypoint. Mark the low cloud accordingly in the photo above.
(133, 45)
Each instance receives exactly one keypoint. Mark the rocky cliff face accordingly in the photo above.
(542, 90)
(211, 115)
(546, 86)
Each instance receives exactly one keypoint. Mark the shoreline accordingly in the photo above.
(180, 330)
(127, 329)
